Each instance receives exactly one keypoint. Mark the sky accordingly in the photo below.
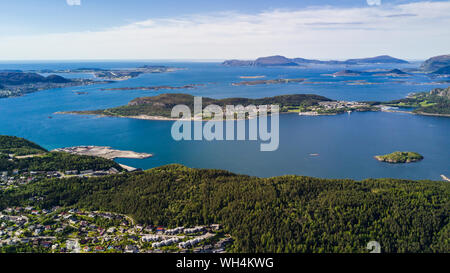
(232, 29)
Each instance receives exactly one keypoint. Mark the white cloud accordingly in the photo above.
(73, 2)
(373, 2)
(319, 32)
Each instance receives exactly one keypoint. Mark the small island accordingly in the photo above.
(399, 157)
(275, 81)
(154, 88)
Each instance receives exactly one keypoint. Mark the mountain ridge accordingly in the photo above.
(278, 60)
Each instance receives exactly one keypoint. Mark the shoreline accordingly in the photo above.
(419, 113)
(146, 117)
(103, 151)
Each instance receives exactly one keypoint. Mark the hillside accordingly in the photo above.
(280, 214)
(445, 70)
(383, 59)
(23, 155)
(162, 105)
(434, 102)
(435, 63)
(19, 146)
(20, 78)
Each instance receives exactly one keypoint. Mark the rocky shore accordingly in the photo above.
(103, 151)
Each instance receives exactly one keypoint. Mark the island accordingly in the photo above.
(114, 74)
(433, 103)
(275, 81)
(279, 60)
(160, 107)
(14, 84)
(399, 157)
(155, 88)
(379, 73)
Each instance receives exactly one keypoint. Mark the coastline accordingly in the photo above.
(146, 117)
(103, 151)
(418, 113)
(161, 118)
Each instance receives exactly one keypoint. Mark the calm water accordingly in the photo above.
(345, 143)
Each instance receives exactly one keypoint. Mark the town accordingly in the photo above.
(59, 230)
(335, 107)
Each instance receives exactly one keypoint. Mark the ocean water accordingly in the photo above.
(345, 144)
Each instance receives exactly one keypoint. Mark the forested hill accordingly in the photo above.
(20, 78)
(161, 105)
(19, 146)
(280, 214)
(23, 155)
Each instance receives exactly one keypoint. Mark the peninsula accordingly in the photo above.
(103, 151)
(399, 157)
(435, 102)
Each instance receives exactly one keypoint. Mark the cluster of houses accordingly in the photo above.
(72, 230)
(191, 242)
(16, 178)
(335, 107)
(166, 242)
(331, 105)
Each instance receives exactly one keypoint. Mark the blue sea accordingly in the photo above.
(343, 145)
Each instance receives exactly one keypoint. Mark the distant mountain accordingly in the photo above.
(274, 61)
(435, 63)
(383, 59)
(393, 73)
(443, 70)
(19, 78)
(263, 61)
(283, 61)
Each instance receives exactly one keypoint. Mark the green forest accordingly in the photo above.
(400, 157)
(18, 146)
(44, 160)
(437, 101)
(280, 214)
